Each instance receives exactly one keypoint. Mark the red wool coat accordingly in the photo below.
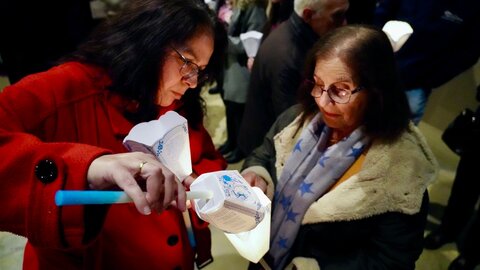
(58, 122)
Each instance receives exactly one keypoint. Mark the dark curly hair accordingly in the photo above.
(367, 52)
(132, 47)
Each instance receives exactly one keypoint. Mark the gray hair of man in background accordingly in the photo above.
(322, 15)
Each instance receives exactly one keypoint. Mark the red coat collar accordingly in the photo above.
(118, 105)
(175, 106)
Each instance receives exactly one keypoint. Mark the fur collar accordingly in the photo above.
(393, 178)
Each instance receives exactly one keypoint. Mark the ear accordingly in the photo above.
(307, 14)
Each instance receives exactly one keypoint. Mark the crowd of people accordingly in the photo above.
(324, 118)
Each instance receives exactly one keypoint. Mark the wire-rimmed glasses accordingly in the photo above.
(337, 94)
(190, 71)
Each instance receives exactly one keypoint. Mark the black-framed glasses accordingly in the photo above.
(190, 71)
(337, 94)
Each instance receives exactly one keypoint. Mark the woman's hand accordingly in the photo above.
(186, 183)
(130, 171)
(255, 180)
(250, 61)
(189, 180)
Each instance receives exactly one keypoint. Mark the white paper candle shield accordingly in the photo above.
(234, 207)
(166, 138)
(251, 42)
(398, 32)
(253, 244)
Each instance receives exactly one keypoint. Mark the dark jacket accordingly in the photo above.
(251, 17)
(276, 75)
(445, 41)
(375, 219)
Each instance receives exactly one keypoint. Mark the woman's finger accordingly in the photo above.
(255, 180)
(155, 186)
(261, 183)
(181, 197)
(170, 190)
(189, 180)
(128, 183)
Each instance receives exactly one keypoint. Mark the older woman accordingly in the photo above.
(347, 170)
(63, 129)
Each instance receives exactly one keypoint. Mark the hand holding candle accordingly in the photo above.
(135, 173)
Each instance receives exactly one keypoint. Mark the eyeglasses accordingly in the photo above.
(337, 94)
(190, 71)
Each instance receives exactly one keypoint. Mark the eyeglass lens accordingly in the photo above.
(190, 71)
(192, 74)
(338, 95)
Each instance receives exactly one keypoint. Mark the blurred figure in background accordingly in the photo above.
(278, 11)
(278, 66)
(444, 43)
(460, 222)
(223, 9)
(247, 15)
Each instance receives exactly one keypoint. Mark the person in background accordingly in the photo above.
(277, 70)
(444, 43)
(278, 11)
(63, 129)
(359, 11)
(461, 221)
(347, 170)
(247, 15)
(223, 9)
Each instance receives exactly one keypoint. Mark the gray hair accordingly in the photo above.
(300, 5)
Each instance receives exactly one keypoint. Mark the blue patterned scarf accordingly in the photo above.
(309, 172)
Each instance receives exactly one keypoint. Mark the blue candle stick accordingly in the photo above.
(81, 197)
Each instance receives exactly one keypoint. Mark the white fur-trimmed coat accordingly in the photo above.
(393, 179)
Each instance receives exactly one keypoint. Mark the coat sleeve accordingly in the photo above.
(32, 171)
(265, 155)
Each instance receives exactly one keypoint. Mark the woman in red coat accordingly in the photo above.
(63, 129)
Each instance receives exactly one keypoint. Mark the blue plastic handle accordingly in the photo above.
(79, 197)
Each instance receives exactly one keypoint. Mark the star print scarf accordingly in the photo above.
(308, 173)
